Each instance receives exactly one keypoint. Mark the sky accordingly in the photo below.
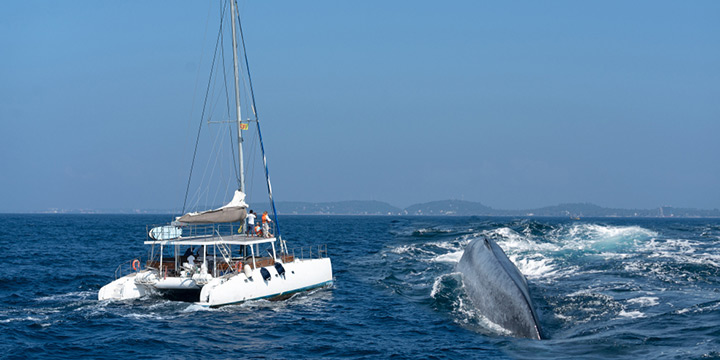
(515, 104)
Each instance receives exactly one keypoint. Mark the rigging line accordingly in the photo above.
(195, 88)
(202, 115)
(252, 153)
(257, 122)
(219, 159)
(213, 150)
(203, 191)
(218, 153)
(215, 153)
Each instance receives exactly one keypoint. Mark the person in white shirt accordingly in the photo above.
(250, 223)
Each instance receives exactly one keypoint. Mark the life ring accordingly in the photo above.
(238, 266)
(136, 264)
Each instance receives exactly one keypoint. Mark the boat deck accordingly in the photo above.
(237, 239)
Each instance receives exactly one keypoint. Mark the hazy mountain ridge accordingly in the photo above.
(352, 207)
(564, 210)
(438, 208)
(450, 207)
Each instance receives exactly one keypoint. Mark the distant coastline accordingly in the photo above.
(438, 208)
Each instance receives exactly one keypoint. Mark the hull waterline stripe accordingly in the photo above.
(326, 283)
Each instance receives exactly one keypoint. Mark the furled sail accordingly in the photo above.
(235, 210)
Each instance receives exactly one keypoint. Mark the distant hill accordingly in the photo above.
(337, 208)
(469, 208)
(436, 208)
(450, 207)
(592, 210)
(466, 208)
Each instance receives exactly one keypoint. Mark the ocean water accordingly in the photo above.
(603, 288)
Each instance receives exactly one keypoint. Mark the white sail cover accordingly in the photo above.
(233, 211)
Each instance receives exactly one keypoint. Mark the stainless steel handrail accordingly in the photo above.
(313, 251)
(119, 269)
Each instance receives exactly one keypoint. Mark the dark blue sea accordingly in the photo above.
(604, 288)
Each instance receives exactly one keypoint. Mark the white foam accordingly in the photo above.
(644, 301)
(581, 292)
(606, 232)
(428, 251)
(76, 295)
(26, 318)
(631, 314)
(467, 314)
(608, 240)
(143, 316)
(423, 231)
(437, 285)
(613, 256)
(410, 248)
(451, 257)
(680, 251)
(534, 268)
(699, 308)
(196, 308)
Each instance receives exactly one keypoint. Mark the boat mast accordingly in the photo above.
(237, 97)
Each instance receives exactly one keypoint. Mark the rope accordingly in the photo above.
(202, 115)
(262, 147)
(197, 82)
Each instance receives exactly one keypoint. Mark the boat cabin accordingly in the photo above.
(210, 253)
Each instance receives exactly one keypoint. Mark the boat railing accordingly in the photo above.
(200, 230)
(127, 267)
(310, 252)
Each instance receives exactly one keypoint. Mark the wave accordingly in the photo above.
(430, 232)
(644, 301)
(580, 274)
(633, 314)
(681, 251)
(535, 253)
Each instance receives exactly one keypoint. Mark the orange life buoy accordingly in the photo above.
(238, 266)
(136, 264)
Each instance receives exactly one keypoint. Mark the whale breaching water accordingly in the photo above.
(497, 288)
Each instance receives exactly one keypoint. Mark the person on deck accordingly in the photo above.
(188, 252)
(266, 224)
(250, 223)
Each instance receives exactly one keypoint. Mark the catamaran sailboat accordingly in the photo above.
(209, 257)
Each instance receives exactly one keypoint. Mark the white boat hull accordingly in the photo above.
(300, 275)
(124, 288)
(143, 283)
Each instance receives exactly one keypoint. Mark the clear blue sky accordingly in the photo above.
(513, 104)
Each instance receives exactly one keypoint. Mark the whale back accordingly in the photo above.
(497, 288)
